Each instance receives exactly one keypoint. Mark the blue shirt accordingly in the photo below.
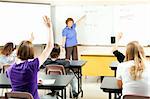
(71, 36)
(23, 77)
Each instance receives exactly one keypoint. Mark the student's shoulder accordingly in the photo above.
(2, 56)
(32, 61)
(62, 60)
(147, 64)
(126, 64)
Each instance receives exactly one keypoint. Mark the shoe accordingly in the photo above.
(75, 94)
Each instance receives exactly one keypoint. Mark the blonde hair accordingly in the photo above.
(135, 52)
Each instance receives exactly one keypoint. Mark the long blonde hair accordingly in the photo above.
(135, 52)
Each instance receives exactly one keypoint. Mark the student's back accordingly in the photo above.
(54, 59)
(58, 61)
(24, 76)
(23, 73)
(130, 86)
(133, 74)
(6, 55)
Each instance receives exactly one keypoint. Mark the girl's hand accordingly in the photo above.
(47, 21)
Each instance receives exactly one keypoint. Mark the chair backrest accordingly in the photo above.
(55, 70)
(3, 97)
(135, 97)
(18, 95)
(5, 67)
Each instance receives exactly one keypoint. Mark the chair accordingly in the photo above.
(135, 97)
(1, 67)
(0, 70)
(5, 67)
(55, 70)
(20, 95)
(3, 97)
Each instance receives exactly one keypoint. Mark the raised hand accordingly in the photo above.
(119, 35)
(32, 36)
(47, 21)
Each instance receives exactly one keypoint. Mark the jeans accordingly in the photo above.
(74, 81)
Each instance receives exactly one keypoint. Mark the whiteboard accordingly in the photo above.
(61, 14)
(98, 25)
(134, 22)
(104, 21)
(93, 30)
(18, 20)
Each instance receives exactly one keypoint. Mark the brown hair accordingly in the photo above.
(25, 50)
(69, 19)
(55, 51)
(135, 52)
(8, 49)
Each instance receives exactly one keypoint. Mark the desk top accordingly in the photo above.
(114, 64)
(77, 63)
(4, 81)
(61, 81)
(110, 84)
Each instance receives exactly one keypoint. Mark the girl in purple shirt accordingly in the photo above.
(23, 73)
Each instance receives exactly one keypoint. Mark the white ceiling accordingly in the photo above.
(83, 2)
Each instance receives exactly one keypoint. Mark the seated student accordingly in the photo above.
(133, 74)
(54, 59)
(23, 73)
(6, 55)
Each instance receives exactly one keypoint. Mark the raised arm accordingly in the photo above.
(31, 37)
(79, 21)
(50, 43)
(118, 37)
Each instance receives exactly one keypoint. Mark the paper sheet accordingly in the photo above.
(48, 81)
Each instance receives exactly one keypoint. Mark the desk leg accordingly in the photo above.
(109, 95)
(65, 93)
(80, 71)
(62, 94)
(78, 75)
(115, 97)
(78, 81)
(115, 73)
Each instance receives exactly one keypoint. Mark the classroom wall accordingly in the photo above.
(88, 52)
(87, 2)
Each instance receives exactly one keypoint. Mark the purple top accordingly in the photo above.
(23, 77)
